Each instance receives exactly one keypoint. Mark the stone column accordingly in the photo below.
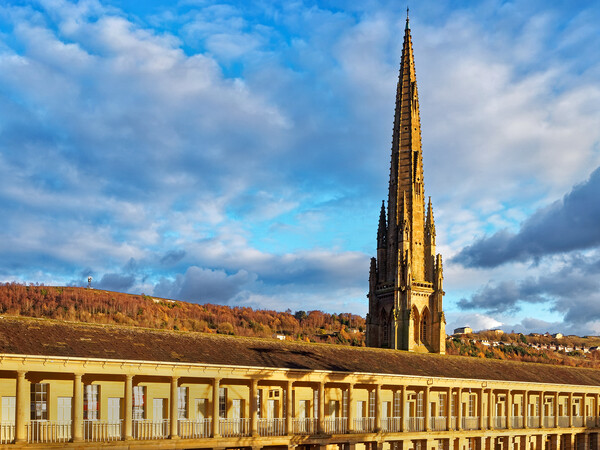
(491, 409)
(403, 407)
(525, 409)
(570, 409)
(377, 407)
(583, 413)
(215, 413)
(556, 409)
(509, 395)
(128, 419)
(459, 409)
(78, 409)
(174, 408)
(426, 406)
(254, 408)
(289, 408)
(350, 407)
(541, 411)
(480, 409)
(448, 411)
(597, 414)
(321, 407)
(22, 412)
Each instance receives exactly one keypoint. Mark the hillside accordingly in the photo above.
(572, 351)
(106, 307)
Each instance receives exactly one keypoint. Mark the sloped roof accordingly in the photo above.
(43, 337)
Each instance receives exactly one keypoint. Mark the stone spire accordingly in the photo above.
(405, 288)
(406, 175)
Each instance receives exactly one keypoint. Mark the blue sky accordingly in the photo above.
(238, 152)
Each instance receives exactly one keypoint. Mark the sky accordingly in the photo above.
(237, 152)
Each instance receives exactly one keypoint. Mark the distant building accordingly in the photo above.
(497, 332)
(558, 335)
(463, 330)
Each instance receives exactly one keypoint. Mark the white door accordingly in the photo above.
(236, 408)
(334, 406)
(385, 408)
(158, 409)
(63, 417)
(200, 408)
(63, 413)
(236, 414)
(303, 408)
(113, 414)
(7, 418)
(8, 410)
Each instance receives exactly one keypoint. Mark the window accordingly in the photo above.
(284, 404)
(419, 410)
(345, 404)
(90, 402)
(372, 404)
(424, 320)
(139, 402)
(39, 401)
(397, 398)
(472, 405)
(316, 404)
(222, 403)
(182, 402)
(274, 393)
(442, 401)
(452, 405)
(259, 397)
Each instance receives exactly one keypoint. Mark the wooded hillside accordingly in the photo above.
(97, 306)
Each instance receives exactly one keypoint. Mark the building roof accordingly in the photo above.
(44, 337)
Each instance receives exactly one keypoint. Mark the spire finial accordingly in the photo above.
(407, 27)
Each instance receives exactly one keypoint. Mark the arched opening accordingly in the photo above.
(385, 327)
(416, 322)
(425, 325)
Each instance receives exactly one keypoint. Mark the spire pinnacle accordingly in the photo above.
(382, 230)
(407, 27)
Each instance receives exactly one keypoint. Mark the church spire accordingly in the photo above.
(405, 285)
(406, 192)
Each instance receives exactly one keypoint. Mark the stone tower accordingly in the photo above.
(405, 280)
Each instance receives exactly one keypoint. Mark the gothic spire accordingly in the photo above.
(430, 222)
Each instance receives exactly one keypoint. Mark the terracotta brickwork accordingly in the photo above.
(405, 280)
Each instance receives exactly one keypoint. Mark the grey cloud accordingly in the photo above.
(569, 224)
(115, 282)
(204, 285)
(172, 257)
(573, 290)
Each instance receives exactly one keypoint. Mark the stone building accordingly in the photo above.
(405, 280)
(73, 385)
